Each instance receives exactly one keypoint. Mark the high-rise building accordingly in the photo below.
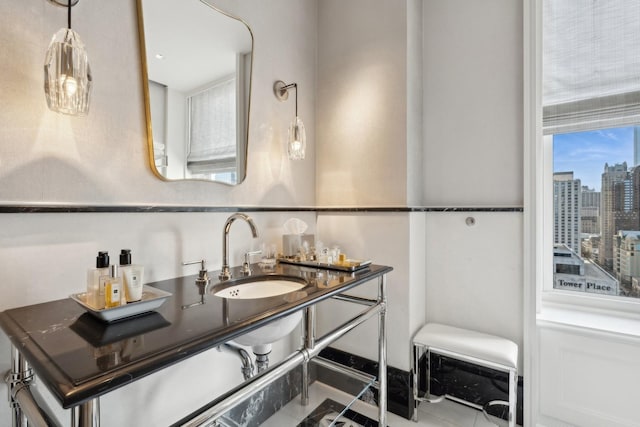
(574, 273)
(590, 211)
(619, 201)
(566, 210)
(636, 145)
(627, 256)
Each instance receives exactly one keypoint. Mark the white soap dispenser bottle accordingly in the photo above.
(132, 276)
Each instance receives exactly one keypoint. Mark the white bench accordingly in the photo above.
(474, 347)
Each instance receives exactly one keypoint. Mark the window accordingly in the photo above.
(212, 136)
(591, 127)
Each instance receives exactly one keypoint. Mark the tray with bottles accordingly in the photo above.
(349, 265)
(152, 298)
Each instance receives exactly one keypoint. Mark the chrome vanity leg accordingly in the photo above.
(86, 414)
(309, 342)
(20, 373)
(382, 353)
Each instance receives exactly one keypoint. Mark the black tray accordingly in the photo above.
(349, 265)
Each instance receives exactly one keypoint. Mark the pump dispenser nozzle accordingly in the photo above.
(102, 260)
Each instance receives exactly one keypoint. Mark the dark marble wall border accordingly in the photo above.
(162, 208)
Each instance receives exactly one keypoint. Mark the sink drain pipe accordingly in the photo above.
(247, 365)
(262, 353)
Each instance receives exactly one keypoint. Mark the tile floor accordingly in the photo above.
(444, 414)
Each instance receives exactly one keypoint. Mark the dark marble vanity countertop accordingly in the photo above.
(79, 357)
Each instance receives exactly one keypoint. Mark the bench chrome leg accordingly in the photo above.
(418, 351)
(511, 404)
(513, 396)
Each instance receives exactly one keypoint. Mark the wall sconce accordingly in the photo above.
(297, 140)
(67, 74)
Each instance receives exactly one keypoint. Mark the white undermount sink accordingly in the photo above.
(260, 289)
(265, 287)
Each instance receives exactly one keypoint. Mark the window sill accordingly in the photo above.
(556, 313)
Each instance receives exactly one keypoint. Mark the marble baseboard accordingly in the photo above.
(463, 380)
(262, 404)
(399, 391)
(471, 383)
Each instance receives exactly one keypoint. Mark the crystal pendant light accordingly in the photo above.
(67, 74)
(297, 140)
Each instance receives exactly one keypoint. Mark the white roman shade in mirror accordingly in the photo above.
(212, 130)
(591, 54)
(158, 106)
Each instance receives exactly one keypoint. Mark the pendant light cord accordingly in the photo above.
(69, 15)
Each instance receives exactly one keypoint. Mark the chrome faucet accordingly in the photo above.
(225, 274)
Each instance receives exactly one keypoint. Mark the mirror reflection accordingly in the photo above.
(197, 64)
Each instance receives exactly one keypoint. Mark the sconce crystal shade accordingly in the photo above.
(297, 141)
(67, 74)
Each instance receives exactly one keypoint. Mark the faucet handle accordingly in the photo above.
(246, 269)
(203, 275)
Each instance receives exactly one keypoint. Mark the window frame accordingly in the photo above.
(538, 162)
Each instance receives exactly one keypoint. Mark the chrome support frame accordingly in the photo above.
(355, 300)
(382, 351)
(28, 409)
(309, 329)
(20, 373)
(86, 414)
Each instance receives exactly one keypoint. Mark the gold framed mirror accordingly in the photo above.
(196, 71)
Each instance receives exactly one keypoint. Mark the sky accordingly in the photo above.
(585, 153)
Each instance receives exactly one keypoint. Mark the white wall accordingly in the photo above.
(473, 103)
(474, 273)
(464, 62)
(472, 53)
(101, 159)
(369, 154)
(395, 239)
(415, 104)
(362, 103)
(588, 378)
